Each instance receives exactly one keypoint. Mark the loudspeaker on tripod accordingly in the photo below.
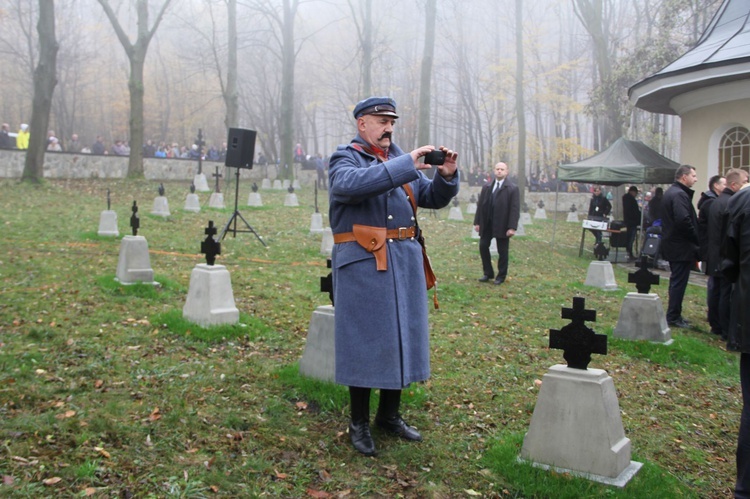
(240, 148)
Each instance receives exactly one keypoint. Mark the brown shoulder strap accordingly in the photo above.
(412, 200)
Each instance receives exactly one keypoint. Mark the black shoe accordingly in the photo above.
(398, 426)
(679, 323)
(498, 281)
(361, 438)
(485, 278)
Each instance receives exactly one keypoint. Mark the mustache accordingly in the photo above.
(386, 135)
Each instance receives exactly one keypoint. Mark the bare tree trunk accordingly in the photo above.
(286, 128)
(423, 133)
(231, 98)
(520, 111)
(45, 79)
(136, 53)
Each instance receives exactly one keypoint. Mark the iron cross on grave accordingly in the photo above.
(326, 283)
(643, 278)
(210, 246)
(576, 340)
(218, 176)
(135, 222)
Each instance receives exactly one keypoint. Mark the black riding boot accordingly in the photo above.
(390, 420)
(359, 427)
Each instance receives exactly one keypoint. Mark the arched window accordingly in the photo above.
(734, 149)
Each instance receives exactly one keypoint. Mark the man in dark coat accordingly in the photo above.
(599, 210)
(719, 289)
(5, 140)
(631, 217)
(381, 330)
(680, 239)
(737, 247)
(716, 184)
(498, 211)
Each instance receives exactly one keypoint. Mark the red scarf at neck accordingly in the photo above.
(381, 154)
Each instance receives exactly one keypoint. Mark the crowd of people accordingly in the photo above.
(20, 140)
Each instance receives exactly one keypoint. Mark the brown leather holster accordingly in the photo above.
(372, 239)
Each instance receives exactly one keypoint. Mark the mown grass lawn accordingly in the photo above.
(106, 392)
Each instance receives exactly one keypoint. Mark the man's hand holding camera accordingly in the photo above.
(443, 158)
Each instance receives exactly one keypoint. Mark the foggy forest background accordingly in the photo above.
(301, 65)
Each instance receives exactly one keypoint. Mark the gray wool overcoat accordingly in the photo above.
(382, 336)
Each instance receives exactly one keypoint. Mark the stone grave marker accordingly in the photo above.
(576, 426)
(217, 198)
(316, 221)
(326, 244)
(192, 202)
(254, 199)
(642, 314)
(291, 197)
(265, 183)
(108, 220)
(161, 205)
(319, 358)
(134, 263)
(455, 211)
(210, 299)
(471, 208)
(540, 213)
(525, 217)
(573, 214)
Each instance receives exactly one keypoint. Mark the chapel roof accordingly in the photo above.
(721, 55)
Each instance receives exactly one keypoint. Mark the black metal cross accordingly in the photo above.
(577, 340)
(108, 201)
(254, 187)
(218, 176)
(316, 197)
(643, 278)
(200, 143)
(326, 283)
(210, 246)
(135, 222)
(161, 189)
(192, 187)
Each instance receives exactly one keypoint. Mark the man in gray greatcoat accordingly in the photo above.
(381, 330)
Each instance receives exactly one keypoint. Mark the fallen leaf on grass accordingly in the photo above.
(66, 415)
(281, 476)
(155, 414)
(318, 493)
(103, 452)
(472, 492)
(89, 491)
(301, 405)
(8, 480)
(99, 383)
(52, 481)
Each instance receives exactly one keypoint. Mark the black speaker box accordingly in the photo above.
(240, 148)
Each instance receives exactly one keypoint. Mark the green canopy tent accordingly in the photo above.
(623, 162)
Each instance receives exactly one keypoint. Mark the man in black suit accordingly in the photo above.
(498, 210)
(631, 217)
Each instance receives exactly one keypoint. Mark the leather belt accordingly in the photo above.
(401, 233)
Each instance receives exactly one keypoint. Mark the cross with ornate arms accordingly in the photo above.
(576, 340)
(326, 283)
(108, 201)
(210, 246)
(135, 222)
(218, 176)
(643, 278)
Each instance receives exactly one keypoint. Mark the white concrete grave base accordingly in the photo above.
(254, 199)
(525, 218)
(319, 359)
(474, 233)
(161, 206)
(455, 213)
(277, 186)
(134, 264)
(493, 247)
(326, 245)
(295, 184)
(285, 183)
(577, 425)
(108, 224)
(540, 214)
(642, 318)
(265, 183)
(291, 200)
(200, 183)
(210, 299)
(520, 231)
(192, 203)
(216, 200)
(572, 217)
(471, 208)
(601, 275)
(316, 223)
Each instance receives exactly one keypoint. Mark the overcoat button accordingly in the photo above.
(390, 240)
(390, 217)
